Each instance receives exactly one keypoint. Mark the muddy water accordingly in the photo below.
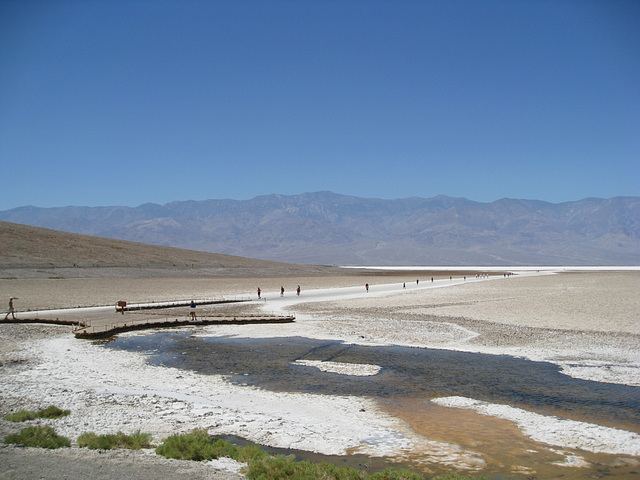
(408, 378)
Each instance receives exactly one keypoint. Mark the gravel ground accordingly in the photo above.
(74, 463)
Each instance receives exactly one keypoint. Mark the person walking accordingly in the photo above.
(259, 292)
(193, 310)
(281, 291)
(11, 310)
(367, 287)
(298, 290)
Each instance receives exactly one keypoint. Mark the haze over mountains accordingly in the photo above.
(327, 228)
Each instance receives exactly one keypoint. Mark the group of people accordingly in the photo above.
(281, 291)
(366, 286)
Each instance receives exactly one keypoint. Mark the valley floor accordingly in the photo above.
(587, 323)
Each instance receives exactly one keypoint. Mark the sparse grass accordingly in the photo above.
(52, 412)
(21, 416)
(457, 476)
(281, 466)
(274, 467)
(395, 474)
(198, 445)
(136, 441)
(49, 412)
(38, 436)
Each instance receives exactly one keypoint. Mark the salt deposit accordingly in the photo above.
(555, 431)
(588, 325)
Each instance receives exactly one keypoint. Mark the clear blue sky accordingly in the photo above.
(127, 102)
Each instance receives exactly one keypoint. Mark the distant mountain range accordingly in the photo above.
(327, 228)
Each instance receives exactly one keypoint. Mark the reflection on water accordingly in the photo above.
(411, 374)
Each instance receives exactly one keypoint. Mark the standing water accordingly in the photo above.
(408, 378)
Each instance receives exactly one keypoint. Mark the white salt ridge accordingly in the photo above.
(554, 431)
(355, 369)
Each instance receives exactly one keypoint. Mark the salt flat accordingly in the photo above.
(586, 322)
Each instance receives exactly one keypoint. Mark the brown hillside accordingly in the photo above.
(31, 251)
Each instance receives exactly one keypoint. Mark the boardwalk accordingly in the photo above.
(130, 323)
(104, 322)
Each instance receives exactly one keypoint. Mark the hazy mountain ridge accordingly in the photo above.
(327, 228)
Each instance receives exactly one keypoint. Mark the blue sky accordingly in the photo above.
(127, 102)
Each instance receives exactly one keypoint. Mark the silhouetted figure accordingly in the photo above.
(11, 310)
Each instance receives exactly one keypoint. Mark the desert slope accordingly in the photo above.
(29, 252)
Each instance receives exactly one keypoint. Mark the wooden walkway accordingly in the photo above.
(176, 303)
(126, 318)
(132, 324)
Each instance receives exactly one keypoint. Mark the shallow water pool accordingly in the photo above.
(407, 378)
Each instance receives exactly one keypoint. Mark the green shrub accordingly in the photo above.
(393, 474)
(197, 445)
(93, 441)
(456, 476)
(250, 453)
(21, 416)
(43, 437)
(53, 412)
(49, 412)
(136, 441)
(280, 466)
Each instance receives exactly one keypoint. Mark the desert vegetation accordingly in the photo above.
(38, 436)
(49, 412)
(198, 445)
(136, 441)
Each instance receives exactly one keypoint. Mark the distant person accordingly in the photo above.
(404, 285)
(367, 287)
(11, 310)
(193, 310)
(417, 281)
(298, 290)
(431, 279)
(259, 291)
(281, 291)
